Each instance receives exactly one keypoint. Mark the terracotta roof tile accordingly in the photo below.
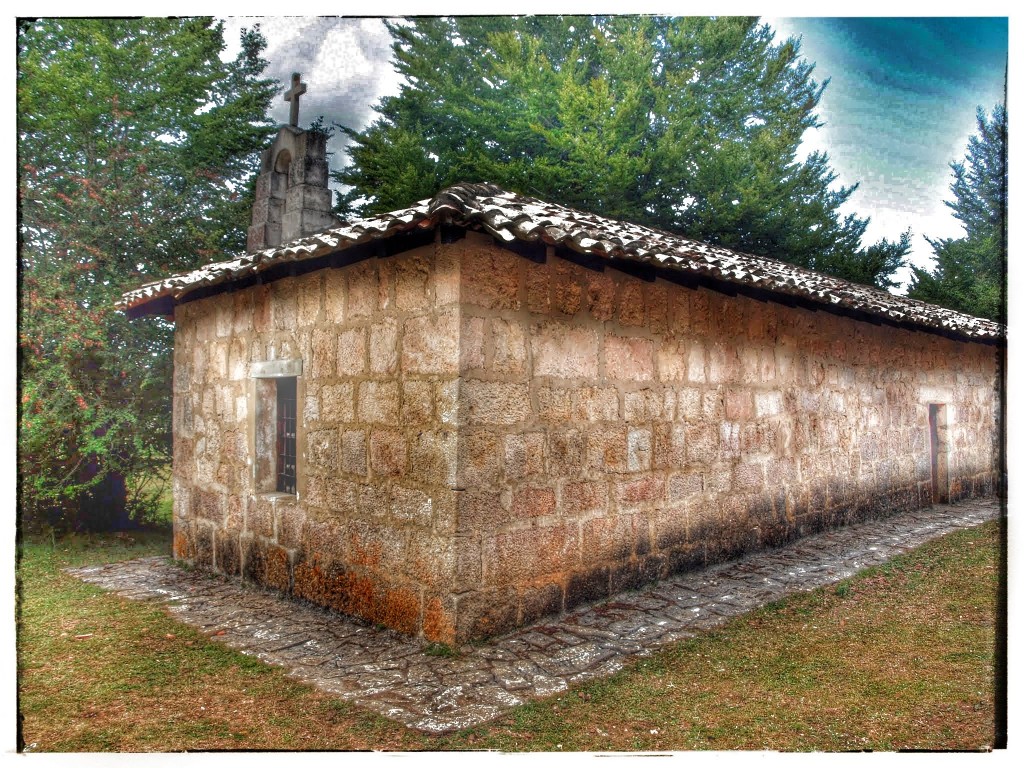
(510, 217)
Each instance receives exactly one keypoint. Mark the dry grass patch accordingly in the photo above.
(901, 657)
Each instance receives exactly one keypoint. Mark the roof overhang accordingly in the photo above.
(516, 221)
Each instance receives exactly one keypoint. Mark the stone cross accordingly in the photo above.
(292, 95)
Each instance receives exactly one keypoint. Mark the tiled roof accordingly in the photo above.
(510, 217)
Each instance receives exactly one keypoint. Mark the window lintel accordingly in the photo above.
(276, 369)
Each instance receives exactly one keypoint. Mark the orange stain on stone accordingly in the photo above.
(438, 626)
(400, 609)
(183, 549)
(277, 568)
(364, 555)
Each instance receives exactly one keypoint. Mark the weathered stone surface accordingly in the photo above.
(228, 556)
(490, 278)
(430, 344)
(768, 404)
(638, 450)
(554, 404)
(564, 351)
(446, 402)
(631, 304)
(472, 343)
(388, 453)
(480, 510)
(738, 405)
(530, 553)
(595, 404)
(672, 361)
(631, 493)
(480, 459)
(336, 403)
(413, 506)
(489, 402)
(600, 296)
(352, 352)
(530, 502)
(629, 359)
(538, 288)
(566, 452)
(608, 538)
(384, 346)
(378, 402)
(458, 402)
(669, 450)
(695, 364)
(607, 448)
(412, 282)
(332, 494)
(362, 289)
(509, 345)
(417, 402)
(434, 455)
(310, 296)
(353, 451)
(566, 290)
(524, 455)
(683, 486)
(580, 498)
(208, 505)
(334, 296)
(259, 518)
(324, 449)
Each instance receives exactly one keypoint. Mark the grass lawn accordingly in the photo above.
(899, 657)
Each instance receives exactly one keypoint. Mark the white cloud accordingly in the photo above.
(345, 62)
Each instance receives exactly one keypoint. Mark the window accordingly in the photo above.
(287, 418)
(276, 426)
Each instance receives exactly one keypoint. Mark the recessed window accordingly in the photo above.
(287, 419)
(276, 426)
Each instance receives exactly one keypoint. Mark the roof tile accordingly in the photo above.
(509, 217)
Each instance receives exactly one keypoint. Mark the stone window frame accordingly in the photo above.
(263, 426)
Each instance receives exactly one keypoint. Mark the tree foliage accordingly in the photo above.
(686, 124)
(970, 272)
(135, 143)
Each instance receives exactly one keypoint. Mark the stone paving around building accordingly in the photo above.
(401, 678)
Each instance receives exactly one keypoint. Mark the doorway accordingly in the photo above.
(939, 452)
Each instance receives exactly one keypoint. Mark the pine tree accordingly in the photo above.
(135, 142)
(970, 272)
(690, 125)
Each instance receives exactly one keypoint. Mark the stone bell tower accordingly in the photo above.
(292, 196)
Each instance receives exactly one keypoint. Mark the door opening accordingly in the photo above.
(939, 453)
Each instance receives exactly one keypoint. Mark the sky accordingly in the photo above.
(900, 104)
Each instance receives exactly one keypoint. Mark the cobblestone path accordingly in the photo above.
(385, 672)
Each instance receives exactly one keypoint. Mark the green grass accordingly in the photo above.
(899, 657)
(441, 649)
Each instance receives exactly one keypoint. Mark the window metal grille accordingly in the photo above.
(287, 417)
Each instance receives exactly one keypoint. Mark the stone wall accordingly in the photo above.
(618, 430)
(369, 530)
(486, 439)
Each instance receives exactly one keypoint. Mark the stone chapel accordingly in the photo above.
(461, 416)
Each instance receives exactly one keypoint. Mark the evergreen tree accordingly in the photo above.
(685, 124)
(135, 142)
(970, 272)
